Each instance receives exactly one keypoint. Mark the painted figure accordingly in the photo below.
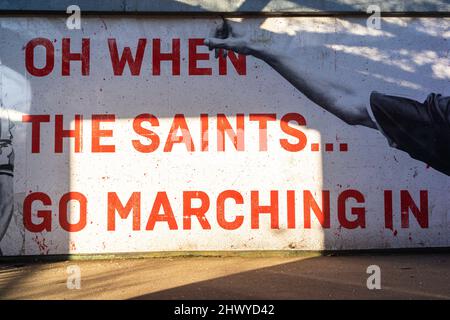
(422, 129)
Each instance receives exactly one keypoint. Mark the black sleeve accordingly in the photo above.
(420, 129)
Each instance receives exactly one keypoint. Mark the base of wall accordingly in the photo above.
(237, 253)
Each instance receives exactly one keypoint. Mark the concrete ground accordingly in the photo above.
(403, 276)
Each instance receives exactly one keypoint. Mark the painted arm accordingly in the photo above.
(6, 186)
(6, 175)
(6, 203)
(300, 68)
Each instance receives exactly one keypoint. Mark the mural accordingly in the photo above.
(420, 129)
(130, 136)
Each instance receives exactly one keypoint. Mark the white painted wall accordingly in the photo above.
(408, 57)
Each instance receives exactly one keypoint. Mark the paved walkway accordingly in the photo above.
(409, 276)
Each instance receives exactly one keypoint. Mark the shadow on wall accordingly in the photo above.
(407, 57)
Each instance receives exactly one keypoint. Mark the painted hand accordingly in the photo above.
(227, 37)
